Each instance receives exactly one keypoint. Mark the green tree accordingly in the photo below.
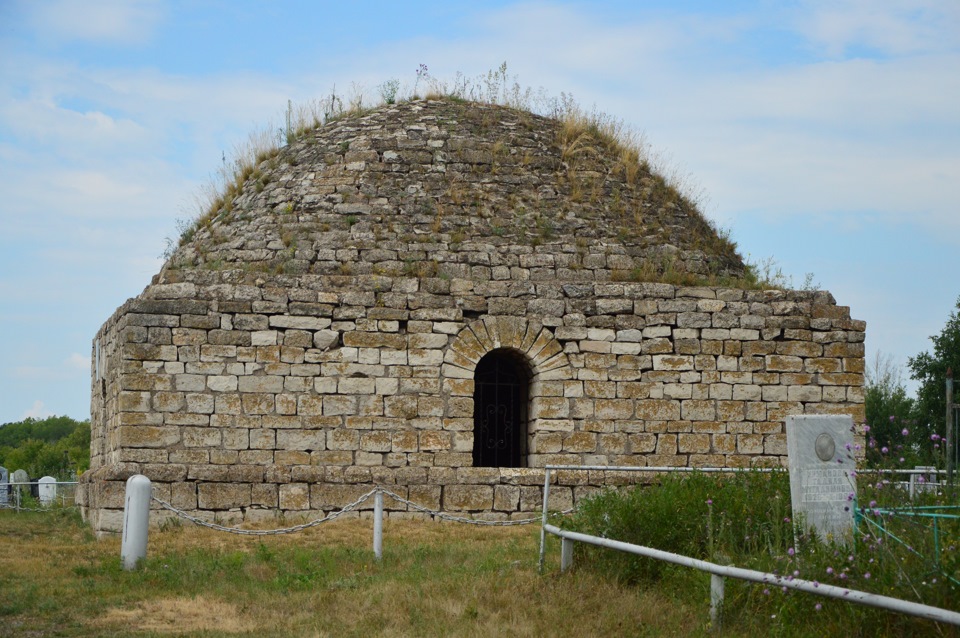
(931, 371)
(56, 446)
(889, 411)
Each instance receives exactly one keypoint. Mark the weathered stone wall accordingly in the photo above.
(241, 395)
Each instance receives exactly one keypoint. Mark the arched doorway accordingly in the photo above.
(501, 386)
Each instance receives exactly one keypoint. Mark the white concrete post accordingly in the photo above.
(136, 519)
(716, 601)
(566, 554)
(378, 525)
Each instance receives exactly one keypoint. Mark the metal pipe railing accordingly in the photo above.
(719, 572)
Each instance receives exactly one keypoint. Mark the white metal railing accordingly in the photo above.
(719, 572)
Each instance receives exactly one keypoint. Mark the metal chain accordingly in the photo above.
(461, 519)
(26, 509)
(267, 532)
(347, 508)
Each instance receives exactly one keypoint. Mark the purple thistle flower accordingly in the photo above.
(818, 606)
(905, 432)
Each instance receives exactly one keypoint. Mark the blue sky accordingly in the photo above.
(823, 134)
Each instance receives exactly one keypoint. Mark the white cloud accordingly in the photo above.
(114, 21)
(894, 27)
(79, 362)
(37, 411)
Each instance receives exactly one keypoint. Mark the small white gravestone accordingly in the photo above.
(4, 488)
(822, 471)
(47, 490)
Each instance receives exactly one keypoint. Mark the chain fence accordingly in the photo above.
(347, 508)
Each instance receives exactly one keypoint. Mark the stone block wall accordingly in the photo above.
(241, 396)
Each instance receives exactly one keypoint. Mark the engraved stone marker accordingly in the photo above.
(819, 449)
(19, 491)
(47, 490)
(4, 488)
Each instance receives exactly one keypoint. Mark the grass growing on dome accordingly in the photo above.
(584, 140)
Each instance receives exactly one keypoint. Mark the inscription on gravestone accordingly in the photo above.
(820, 457)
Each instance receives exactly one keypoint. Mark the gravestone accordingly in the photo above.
(4, 486)
(19, 482)
(822, 464)
(47, 490)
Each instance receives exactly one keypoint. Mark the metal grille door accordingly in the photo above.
(500, 397)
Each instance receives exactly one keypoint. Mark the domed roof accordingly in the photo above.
(426, 187)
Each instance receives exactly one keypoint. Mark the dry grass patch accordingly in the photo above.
(176, 616)
(436, 579)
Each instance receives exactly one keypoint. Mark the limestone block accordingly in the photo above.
(134, 401)
(700, 427)
(804, 393)
(334, 405)
(724, 443)
(478, 475)
(356, 386)
(546, 443)
(432, 406)
(331, 457)
(731, 410)
(506, 498)
(376, 441)
(340, 439)
(201, 437)
(612, 443)
(257, 403)
(467, 497)
(221, 383)
(799, 349)
(299, 322)
(549, 408)
(368, 458)
(330, 496)
(428, 496)
(780, 363)
(263, 384)
(265, 439)
(301, 440)
(264, 495)
(693, 443)
(452, 459)
(294, 496)
(614, 409)
(227, 404)
(222, 496)
(291, 457)
(779, 411)
(698, 410)
(746, 392)
(658, 410)
(579, 442)
(432, 440)
(774, 393)
(146, 436)
(775, 444)
(200, 403)
(264, 338)
(750, 444)
(666, 444)
(168, 401)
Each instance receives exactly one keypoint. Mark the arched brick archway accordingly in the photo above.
(539, 358)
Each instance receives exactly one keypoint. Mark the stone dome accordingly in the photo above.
(451, 189)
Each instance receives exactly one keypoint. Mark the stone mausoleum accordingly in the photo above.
(442, 297)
